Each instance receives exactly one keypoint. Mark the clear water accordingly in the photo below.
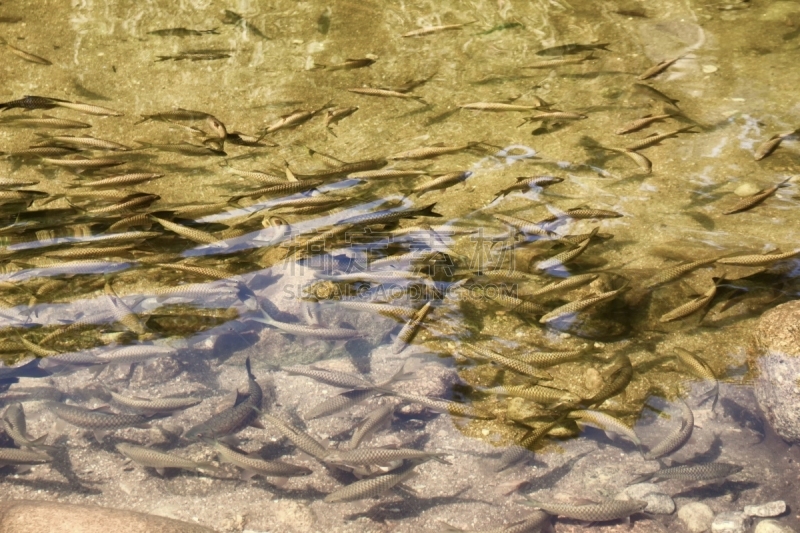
(735, 82)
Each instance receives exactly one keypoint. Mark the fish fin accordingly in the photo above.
(229, 440)
(37, 442)
(99, 435)
(161, 471)
(257, 424)
(278, 481)
(247, 474)
(21, 469)
(641, 479)
(206, 465)
(444, 526)
(438, 458)
(105, 408)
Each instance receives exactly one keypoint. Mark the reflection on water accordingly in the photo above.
(547, 222)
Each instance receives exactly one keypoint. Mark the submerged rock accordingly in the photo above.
(777, 364)
(730, 522)
(772, 526)
(775, 508)
(28, 516)
(697, 516)
(657, 501)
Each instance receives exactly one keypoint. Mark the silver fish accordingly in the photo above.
(14, 456)
(592, 512)
(378, 456)
(154, 405)
(374, 420)
(253, 465)
(675, 440)
(692, 472)
(605, 423)
(98, 421)
(303, 441)
(579, 305)
(16, 428)
(691, 307)
(152, 458)
(367, 488)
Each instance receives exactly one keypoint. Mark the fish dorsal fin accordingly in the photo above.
(103, 409)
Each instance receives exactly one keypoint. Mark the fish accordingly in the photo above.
(592, 512)
(496, 106)
(373, 421)
(89, 109)
(16, 428)
(525, 183)
(433, 29)
(566, 284)
(427, 152)
(555, 115)
(386, 93)
(757, 259)
(45, 121)
(507, 362)
(691, 307)
(289, 187)
(98, 421)
(14, 456)
(673, 273)
(303, 441)
(330, 377)
(367, 488)
(389, 217)
(535, 523)
(560, 62)
(233, 419)
(604, 422)
(151, 406)
(517, 452)
(440, 406)
(379, 456)
(700, 369)
(675, 440)
(27, 56)
(616, 382)
(254, 465)
(193, 234)
(550, 358)
(182, 32)
(643, 122)
(302, 330)
(563, 258)
(340, 402)
(769, 146)
(516, 305)
(293, 119)
(178, 113)
(658, 68)
(86, 142)
(348, 64)
(577, 306)
(582, 214)
(751, 201)
(409, 330)
(208, 272)
(334, 115)
(83, 163)
(442, 182)
(159, 460)
(122, 313)
(29, 102)
(654, 94)
(535, 393)
(262, 177)
(196, 55)
(569, 49)
(231, 17)
(701, 472)
(123, 180)
(655, 139)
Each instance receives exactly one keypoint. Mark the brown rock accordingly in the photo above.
(777, 363)
(28, 516)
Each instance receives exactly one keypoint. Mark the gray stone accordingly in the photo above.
(27, 516)
(775, 508)
(697, 516)
(772, 526)
(730, 522)
(777, 338)
(657, 501)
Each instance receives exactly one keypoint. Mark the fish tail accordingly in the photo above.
(248, 368)
(439, 458)
(428, 211)
(641, 479)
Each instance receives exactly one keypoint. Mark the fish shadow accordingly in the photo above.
(716, 490)
(410, 507)
(554, 476)
(709, 456)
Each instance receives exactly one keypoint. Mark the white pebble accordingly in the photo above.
(708, 69)
(697, 516)
(772, 526)
(775, 508)
(730, 522)
(746, 189)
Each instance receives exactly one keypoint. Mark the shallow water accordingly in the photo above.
(734, 84)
